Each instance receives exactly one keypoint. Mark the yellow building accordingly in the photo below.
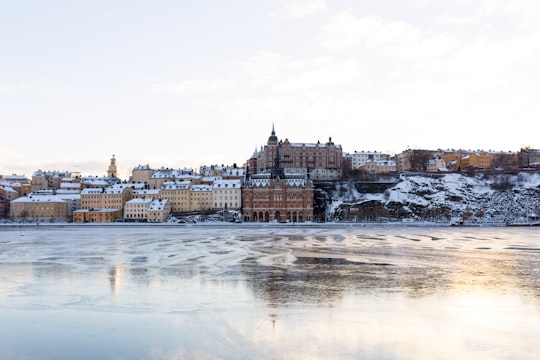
(41, 208)
(97, 215)
(200, 197)
(159, 210)
(478, 159)
(112, 197)
(177, 194)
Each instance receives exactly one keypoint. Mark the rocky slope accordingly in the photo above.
(448, 197)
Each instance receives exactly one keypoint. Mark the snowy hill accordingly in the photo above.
(482, 198)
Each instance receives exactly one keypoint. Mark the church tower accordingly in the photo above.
(112, 171)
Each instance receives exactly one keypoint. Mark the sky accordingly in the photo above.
(187, 83)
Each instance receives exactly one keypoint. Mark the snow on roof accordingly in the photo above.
(39, 199)
(99, 210)
(157, 205)
(8, 188)
(201, 188)
(227, 183)
(139, 201)
(147, 192)
(176, 185)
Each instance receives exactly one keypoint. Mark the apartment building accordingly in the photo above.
(178, 195)
(41, 208)
(359, 158)
(200, 197)
(159, 210)
(268, 198)
(316, 161)
(112, 197)
(227, 194)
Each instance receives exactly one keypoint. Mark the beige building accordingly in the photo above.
(137, 209)
(378, 167)
(43, 180)
(112, 197)
(177, 194)
(163, 175)
(41, 208)
(478, 159)
(97, 215)
(436, 164)
(159, 210)
(227, 194)
(200, 197)
(359, 158)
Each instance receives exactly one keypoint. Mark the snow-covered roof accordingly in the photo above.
(157, 205)
(147, 192)
(228, 184)
(139, 201)
(201, 188)
(176, 185)
(39, 199)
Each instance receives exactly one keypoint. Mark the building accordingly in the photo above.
(529, 157)
(159, 210)
(137, 209)
(43, 180)
(178, 195)
(97, 215)
(477, 159)
(112, 171)
(141, 174)
(436, 164)
(163, 175)
(359, 158)
(40, 208)
(378, 167)
(200, 197)
(315, 161)
(227, 194)
(267, 198)
(112, 197)
(4, 202)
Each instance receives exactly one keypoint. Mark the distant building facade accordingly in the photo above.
(316, 161)
(267, 198)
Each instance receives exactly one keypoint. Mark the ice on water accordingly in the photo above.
(295, 292)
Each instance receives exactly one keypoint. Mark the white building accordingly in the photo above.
(359, 158)
(137, 209)
(227, 194)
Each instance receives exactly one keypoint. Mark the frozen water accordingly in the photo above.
(269, 292)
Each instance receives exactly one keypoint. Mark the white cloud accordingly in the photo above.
(193, 87)
(394, 39)
(299, 9)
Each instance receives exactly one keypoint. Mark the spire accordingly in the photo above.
(272, 140)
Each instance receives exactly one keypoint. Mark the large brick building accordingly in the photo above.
(316, 161)
(266, 198)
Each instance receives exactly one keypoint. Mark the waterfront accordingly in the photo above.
(269, 292)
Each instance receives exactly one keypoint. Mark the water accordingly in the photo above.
(189, 292)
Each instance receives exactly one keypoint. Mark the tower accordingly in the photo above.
(112, 172)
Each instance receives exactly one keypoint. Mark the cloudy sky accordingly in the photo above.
(184, 83)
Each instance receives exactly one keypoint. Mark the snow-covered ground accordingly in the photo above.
(283, 292)
(482, 198)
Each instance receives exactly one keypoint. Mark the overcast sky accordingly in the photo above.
(184, 83)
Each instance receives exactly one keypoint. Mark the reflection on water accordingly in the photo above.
(270, 292)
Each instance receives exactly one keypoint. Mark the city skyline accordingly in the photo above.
(183, 85)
